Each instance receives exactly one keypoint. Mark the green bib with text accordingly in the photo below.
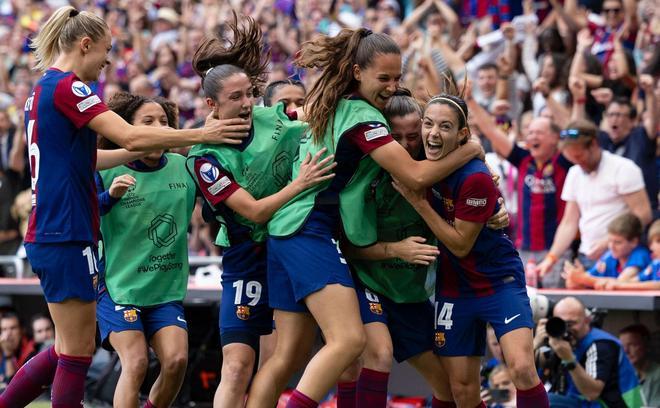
(400, 281)
(145, 235)
(357, 213)
(262, 167)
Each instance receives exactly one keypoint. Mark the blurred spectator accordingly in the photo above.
(10, 179)
(635, 341)
(585, 366)
(598, 188)
(624, 260)
(649, 278)
(43, 331)
(501, 392)
(16, 348)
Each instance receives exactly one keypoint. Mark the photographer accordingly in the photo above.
(585, 366)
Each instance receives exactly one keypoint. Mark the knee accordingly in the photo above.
(379, 357)
(463, 390)
(135, 365)
(236, 371)
(523, 374)
(173, 365)
(351, 342)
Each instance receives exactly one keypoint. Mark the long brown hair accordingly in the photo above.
(335, 57)
(217, 58)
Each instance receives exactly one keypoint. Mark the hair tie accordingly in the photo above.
(366, 33)
(73, 13)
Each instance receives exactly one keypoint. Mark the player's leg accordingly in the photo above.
(170, 343)
(237, 367)
(430, 367)
(347, 385)
(267, 347)
(296, 333)
(464, 380)
(131, 345)
(511, 318)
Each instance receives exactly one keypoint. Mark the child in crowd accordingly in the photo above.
(623, 261)
(649, 278)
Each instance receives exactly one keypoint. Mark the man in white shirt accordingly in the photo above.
(599, 188)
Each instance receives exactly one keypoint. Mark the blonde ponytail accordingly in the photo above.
(60, 32)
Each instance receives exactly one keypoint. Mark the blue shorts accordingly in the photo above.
(67, 270)
(460, 323)
(410, 324)
(116, 318)
(305, 263)
(244, 311)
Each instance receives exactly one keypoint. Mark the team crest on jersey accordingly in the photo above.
(548, 170)
(376, 308)
(243, 312)
(130, 315)
(209, 172)
(80, 89)
(439, 339)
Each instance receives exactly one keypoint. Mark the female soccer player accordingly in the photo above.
(62, 117)
(146, 258)
(480, 276)
(309, 279)
(244, 186)
(290, 92)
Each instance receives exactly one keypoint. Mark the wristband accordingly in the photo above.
(581, 101)
(569, 365)
(552, 257)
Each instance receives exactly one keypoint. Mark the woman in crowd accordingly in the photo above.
(309, 279)
(62, 118)
(244, 186)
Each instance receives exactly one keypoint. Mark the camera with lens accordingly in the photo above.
(556, 327)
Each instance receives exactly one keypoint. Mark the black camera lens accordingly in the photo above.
(556, 327)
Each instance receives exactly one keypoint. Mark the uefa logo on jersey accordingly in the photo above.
(80, 89)
(209, 172)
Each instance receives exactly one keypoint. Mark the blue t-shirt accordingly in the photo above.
(62, 158)
(651, 272)
(609, 267)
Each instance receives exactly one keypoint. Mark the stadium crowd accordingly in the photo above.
(562, 94)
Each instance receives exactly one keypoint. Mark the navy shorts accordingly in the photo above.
(117, 318)
(305, 263)
(410, 324)
(67, 270)
(244, 311)
(460, 323)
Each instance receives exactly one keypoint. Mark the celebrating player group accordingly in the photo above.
(342, 208)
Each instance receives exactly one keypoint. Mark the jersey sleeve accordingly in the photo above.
(639, 258)
(600, 356)
(517, 155)
(369, 136)
(477, 198)
(216, 185)
(75, 100)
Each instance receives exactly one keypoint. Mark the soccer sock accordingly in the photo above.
(149, 404)
(346, 394)
(69, 383)
(29, 382)
(436, 403)
(533, 397)
(372, 388)
(300, 400)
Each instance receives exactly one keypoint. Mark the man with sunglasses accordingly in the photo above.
(586, 367)
(599, 187)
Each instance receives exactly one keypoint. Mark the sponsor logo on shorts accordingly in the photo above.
(80, 89)
(376, 308)
(476, 202)
(88, 103)
(209, 172)
(220, 185)
(130, 315)
(439, 339)
(243, 312)
(375, 133)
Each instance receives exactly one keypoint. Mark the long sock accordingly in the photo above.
(69, 383)
(31, 380)
(372, 389)
(346, 394)
(149, 404)
(436, 403)
(532, 398)
(300, 400)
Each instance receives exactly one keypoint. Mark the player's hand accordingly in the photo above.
(120, 185)
(500, 219)
(313, 170)
(225, 131)
(414, 250)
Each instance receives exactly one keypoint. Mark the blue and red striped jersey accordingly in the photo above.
(62, 153)
(469, 194)
(540, 206)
